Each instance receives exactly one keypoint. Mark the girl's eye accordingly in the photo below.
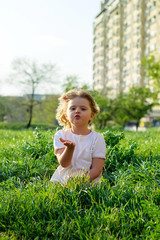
(83, 109)
(73, 108)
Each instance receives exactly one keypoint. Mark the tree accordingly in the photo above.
(134, 104)
(152, 72)
(120, 114)
(106, 109)
(3, 111)
(70, 83)
(30, 75)
(124, 108)
(45, 112)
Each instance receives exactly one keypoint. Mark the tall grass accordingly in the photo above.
(125, 205)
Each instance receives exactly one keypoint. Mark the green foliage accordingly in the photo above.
(124, 108)
(139, 101)
(133, 105)
(118, 155)
(12, 108)
(120, 114)
(45, 111)
(152, 71)
(125, 205)
(22, 126)
(29, 160)
(111, 138)
(3, 108)
(70, 83)
(106, 110)
(16, 111)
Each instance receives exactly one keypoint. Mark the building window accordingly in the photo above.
(116, 76)
(125, 72)
(152, 47)
(117, 54)
(123, 85)
(150, 21)
(116, 64)
(153, 33)
(124, 62)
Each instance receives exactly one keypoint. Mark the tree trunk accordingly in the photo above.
(31, 105)
(30, 115)
(137, 125)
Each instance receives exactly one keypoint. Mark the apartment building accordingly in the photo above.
(125, 31)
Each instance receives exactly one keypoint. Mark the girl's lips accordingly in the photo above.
(77, 116)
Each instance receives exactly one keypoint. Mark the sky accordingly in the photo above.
(56, 31)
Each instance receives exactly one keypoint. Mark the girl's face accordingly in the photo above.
(79, 112)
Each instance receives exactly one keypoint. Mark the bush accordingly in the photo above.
(31, 159)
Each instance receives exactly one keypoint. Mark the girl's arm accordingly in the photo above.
(64, 155)
(96, 168)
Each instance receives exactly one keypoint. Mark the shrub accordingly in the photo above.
(31, 159)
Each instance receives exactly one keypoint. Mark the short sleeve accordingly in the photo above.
(57, 143)
(99, 150)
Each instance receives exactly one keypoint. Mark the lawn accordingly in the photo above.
(125, 205)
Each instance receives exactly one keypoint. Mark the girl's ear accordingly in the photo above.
(92, 116)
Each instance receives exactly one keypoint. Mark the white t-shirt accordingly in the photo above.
(87, 147)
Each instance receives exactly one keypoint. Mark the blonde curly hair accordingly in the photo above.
(63, 104)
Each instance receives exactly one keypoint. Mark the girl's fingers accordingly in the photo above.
(62, 140)
(66, 142)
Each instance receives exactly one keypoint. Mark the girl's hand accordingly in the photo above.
(67, 143)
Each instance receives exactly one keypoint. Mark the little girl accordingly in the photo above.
(79, 149)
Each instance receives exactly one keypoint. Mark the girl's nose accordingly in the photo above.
(77, 110)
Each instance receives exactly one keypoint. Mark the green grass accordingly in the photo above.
(125, 205)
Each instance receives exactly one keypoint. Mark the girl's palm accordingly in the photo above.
(67, 143)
